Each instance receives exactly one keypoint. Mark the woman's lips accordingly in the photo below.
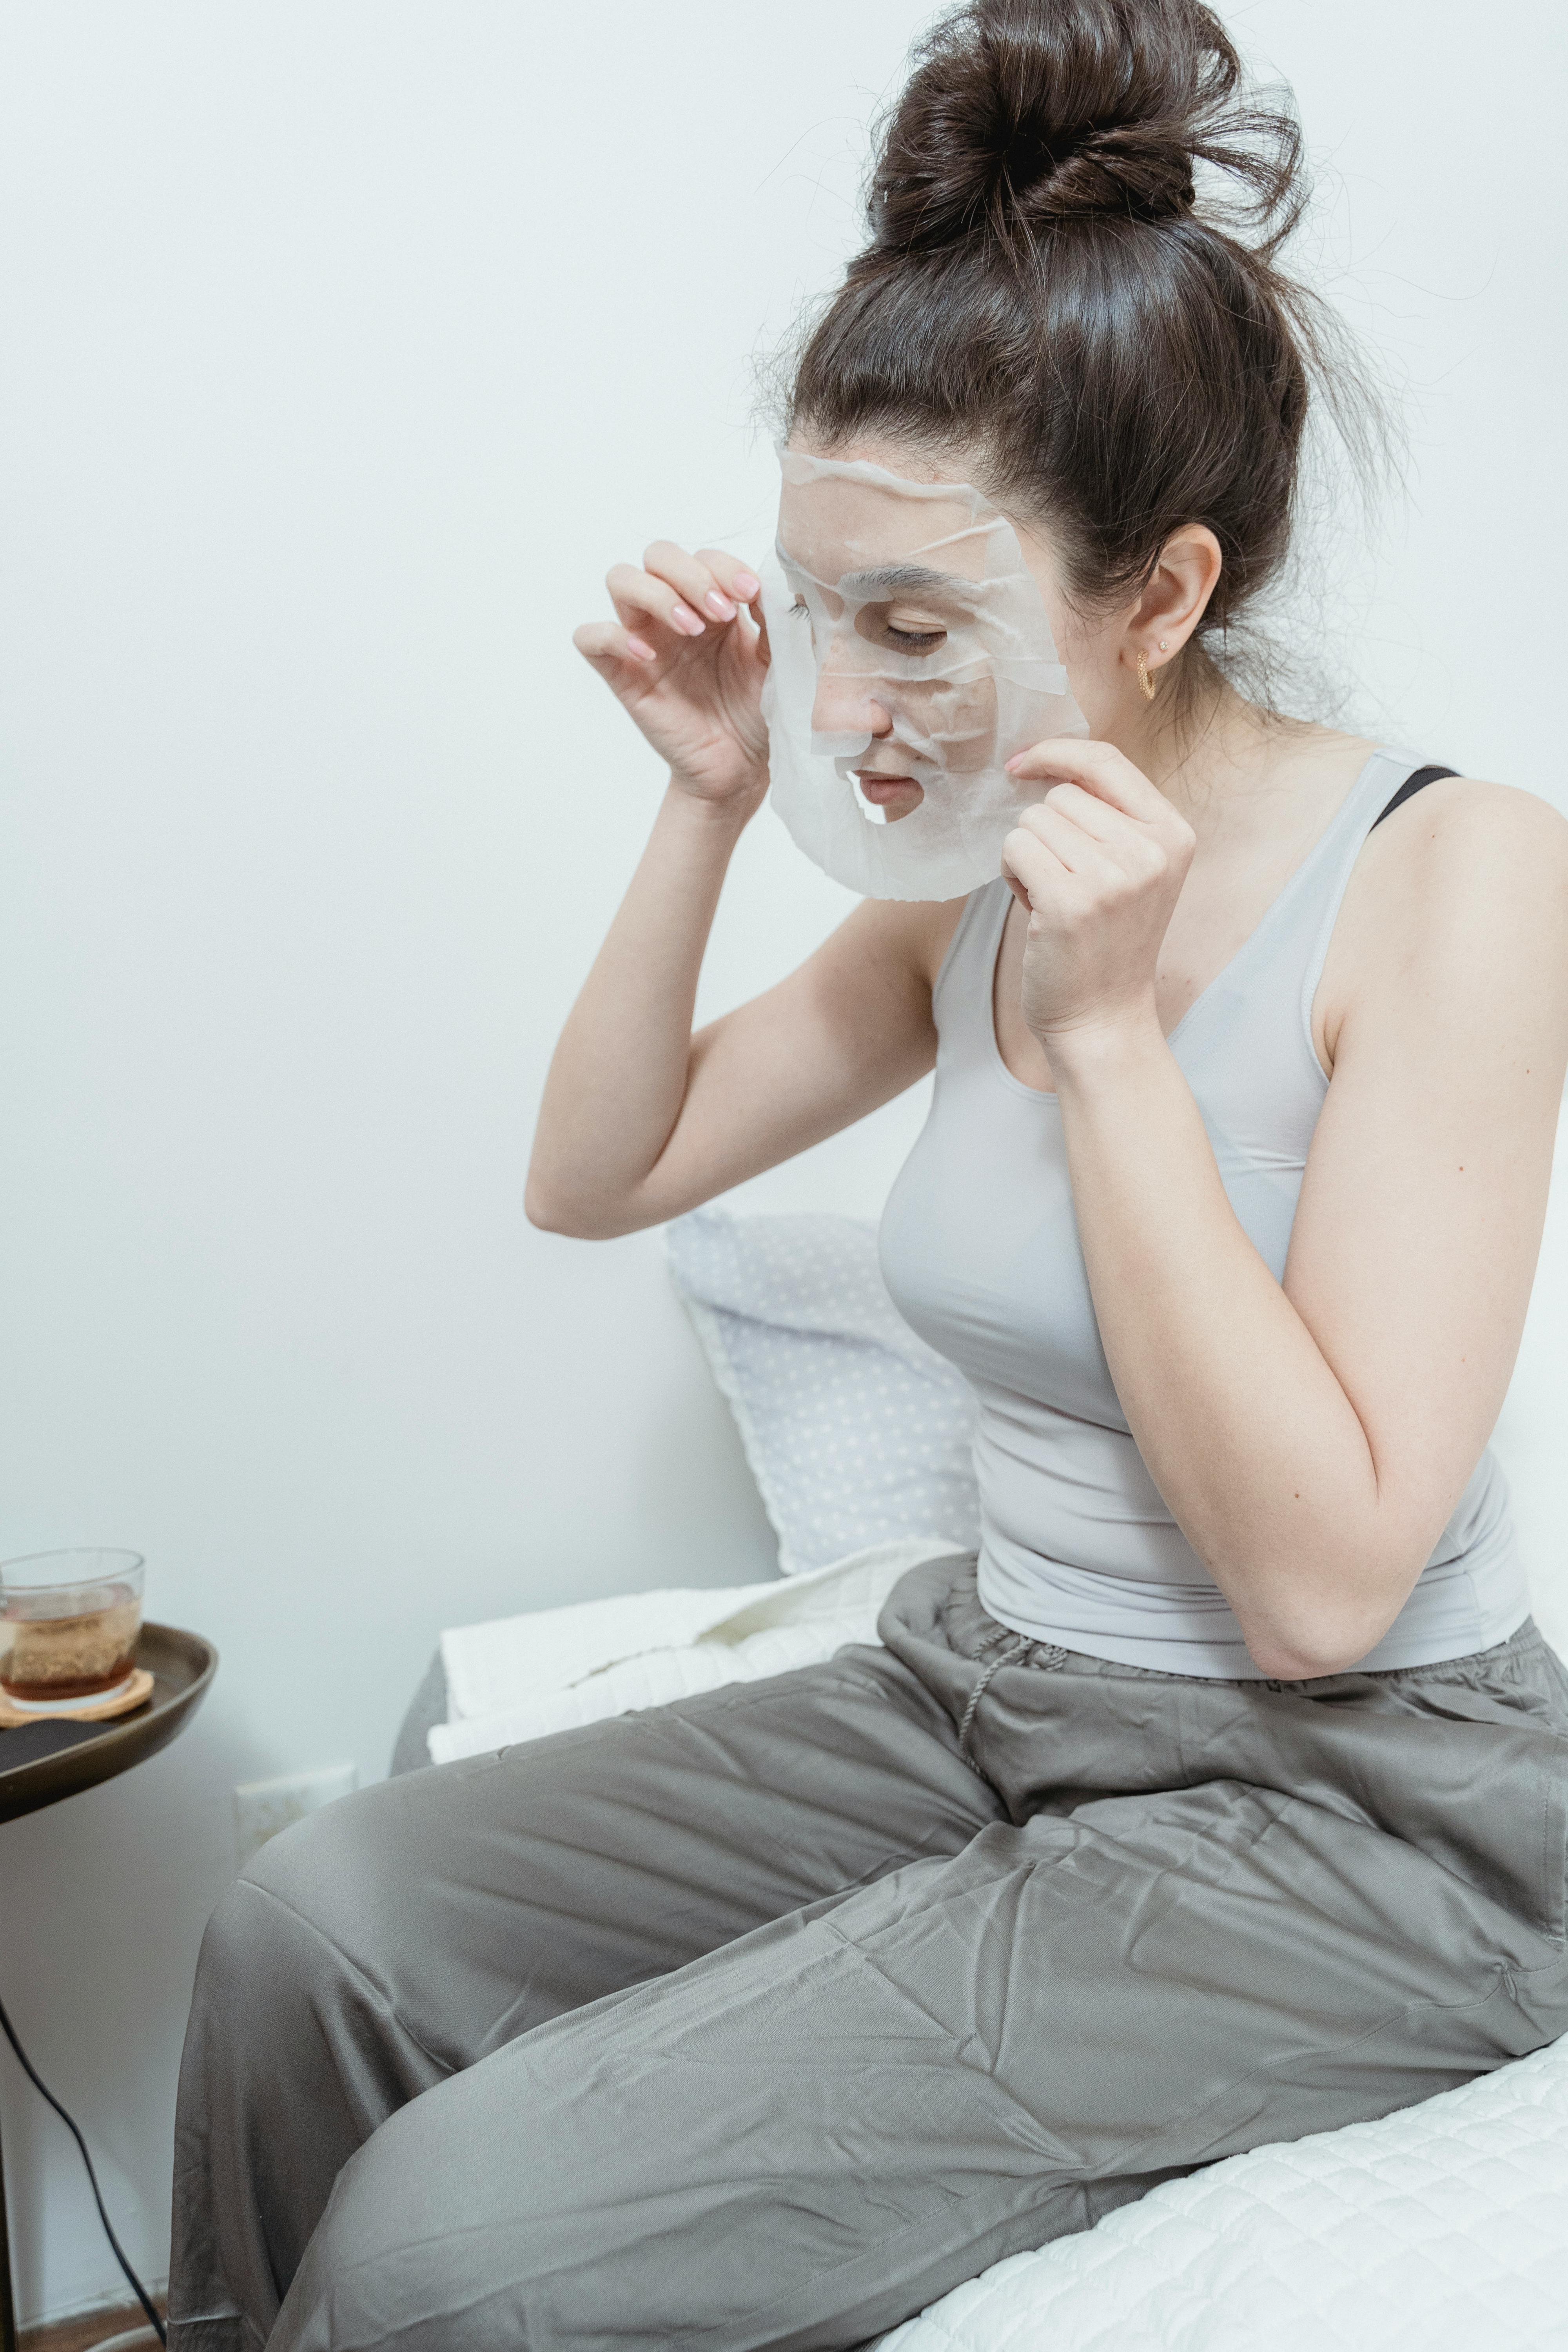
(899, 795)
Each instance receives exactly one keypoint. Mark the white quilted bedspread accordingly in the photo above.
(1443, 2229)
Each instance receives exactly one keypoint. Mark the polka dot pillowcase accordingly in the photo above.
(856, 1431)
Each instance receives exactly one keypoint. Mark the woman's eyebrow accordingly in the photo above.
(906, 580)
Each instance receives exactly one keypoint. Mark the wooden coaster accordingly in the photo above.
(137, 1692)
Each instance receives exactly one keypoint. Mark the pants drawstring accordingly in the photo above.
(1014, 1651)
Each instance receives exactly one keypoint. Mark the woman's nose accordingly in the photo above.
(844, 707)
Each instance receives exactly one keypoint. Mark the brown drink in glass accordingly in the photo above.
(69, 1624)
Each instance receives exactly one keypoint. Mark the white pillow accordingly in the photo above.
(856, 1431)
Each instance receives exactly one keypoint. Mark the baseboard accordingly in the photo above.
(84, 2330)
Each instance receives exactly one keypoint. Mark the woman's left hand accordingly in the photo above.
(1100, 864)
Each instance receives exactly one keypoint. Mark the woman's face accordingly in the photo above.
(910, 618)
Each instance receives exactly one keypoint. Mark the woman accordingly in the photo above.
(1221, 1800)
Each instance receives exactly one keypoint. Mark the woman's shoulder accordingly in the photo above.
(1463, 833)
(1465, 884)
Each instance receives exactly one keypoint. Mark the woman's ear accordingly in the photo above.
(1175, 599)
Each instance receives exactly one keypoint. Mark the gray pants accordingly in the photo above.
(764, 2018)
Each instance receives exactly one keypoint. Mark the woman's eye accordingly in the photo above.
(800, 610)
(915, 641)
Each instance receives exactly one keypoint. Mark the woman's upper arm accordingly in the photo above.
(1421, 1209)
(845, 1032)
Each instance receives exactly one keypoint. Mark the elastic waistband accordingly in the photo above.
(970, 1631)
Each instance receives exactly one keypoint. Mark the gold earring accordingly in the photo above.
(1144, 680)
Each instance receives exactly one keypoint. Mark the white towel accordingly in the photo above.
(521, 1677)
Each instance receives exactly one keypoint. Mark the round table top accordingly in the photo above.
(42, 1762)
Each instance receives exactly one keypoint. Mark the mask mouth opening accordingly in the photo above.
(869, 809)
(879, 812)
(875, 813)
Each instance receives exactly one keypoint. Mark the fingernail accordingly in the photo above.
(719, 606)
(687, 621)
(1014, 764)
(748, 586)
(642, 652)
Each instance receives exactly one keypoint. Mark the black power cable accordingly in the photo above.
(44, 2091)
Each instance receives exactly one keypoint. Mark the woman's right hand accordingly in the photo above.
(682, 657)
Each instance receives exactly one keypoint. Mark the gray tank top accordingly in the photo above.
(980, 1250)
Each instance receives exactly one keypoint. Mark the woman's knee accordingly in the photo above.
(258, 1951)
(291, 1911)
(349, 1872)
(398, 2245)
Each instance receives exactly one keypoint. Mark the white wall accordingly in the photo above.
(344, 346)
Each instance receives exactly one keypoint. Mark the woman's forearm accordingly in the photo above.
(619, 1073)
(1244, 1427)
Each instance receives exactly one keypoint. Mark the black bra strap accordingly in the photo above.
(1410, 787)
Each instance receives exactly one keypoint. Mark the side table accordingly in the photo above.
(42, 1762)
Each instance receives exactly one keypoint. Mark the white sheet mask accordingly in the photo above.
(862, 556)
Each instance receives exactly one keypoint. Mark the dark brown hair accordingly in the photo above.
(1076, 209)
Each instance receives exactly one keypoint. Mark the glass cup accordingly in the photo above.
(68, 1624)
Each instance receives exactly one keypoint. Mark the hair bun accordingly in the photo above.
(1022, 115)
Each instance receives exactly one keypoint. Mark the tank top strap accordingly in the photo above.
(1266, 988)
(1384, 775)
(961, 997)
(1268, 985)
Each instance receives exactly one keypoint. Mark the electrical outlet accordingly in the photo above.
(262, 1808)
